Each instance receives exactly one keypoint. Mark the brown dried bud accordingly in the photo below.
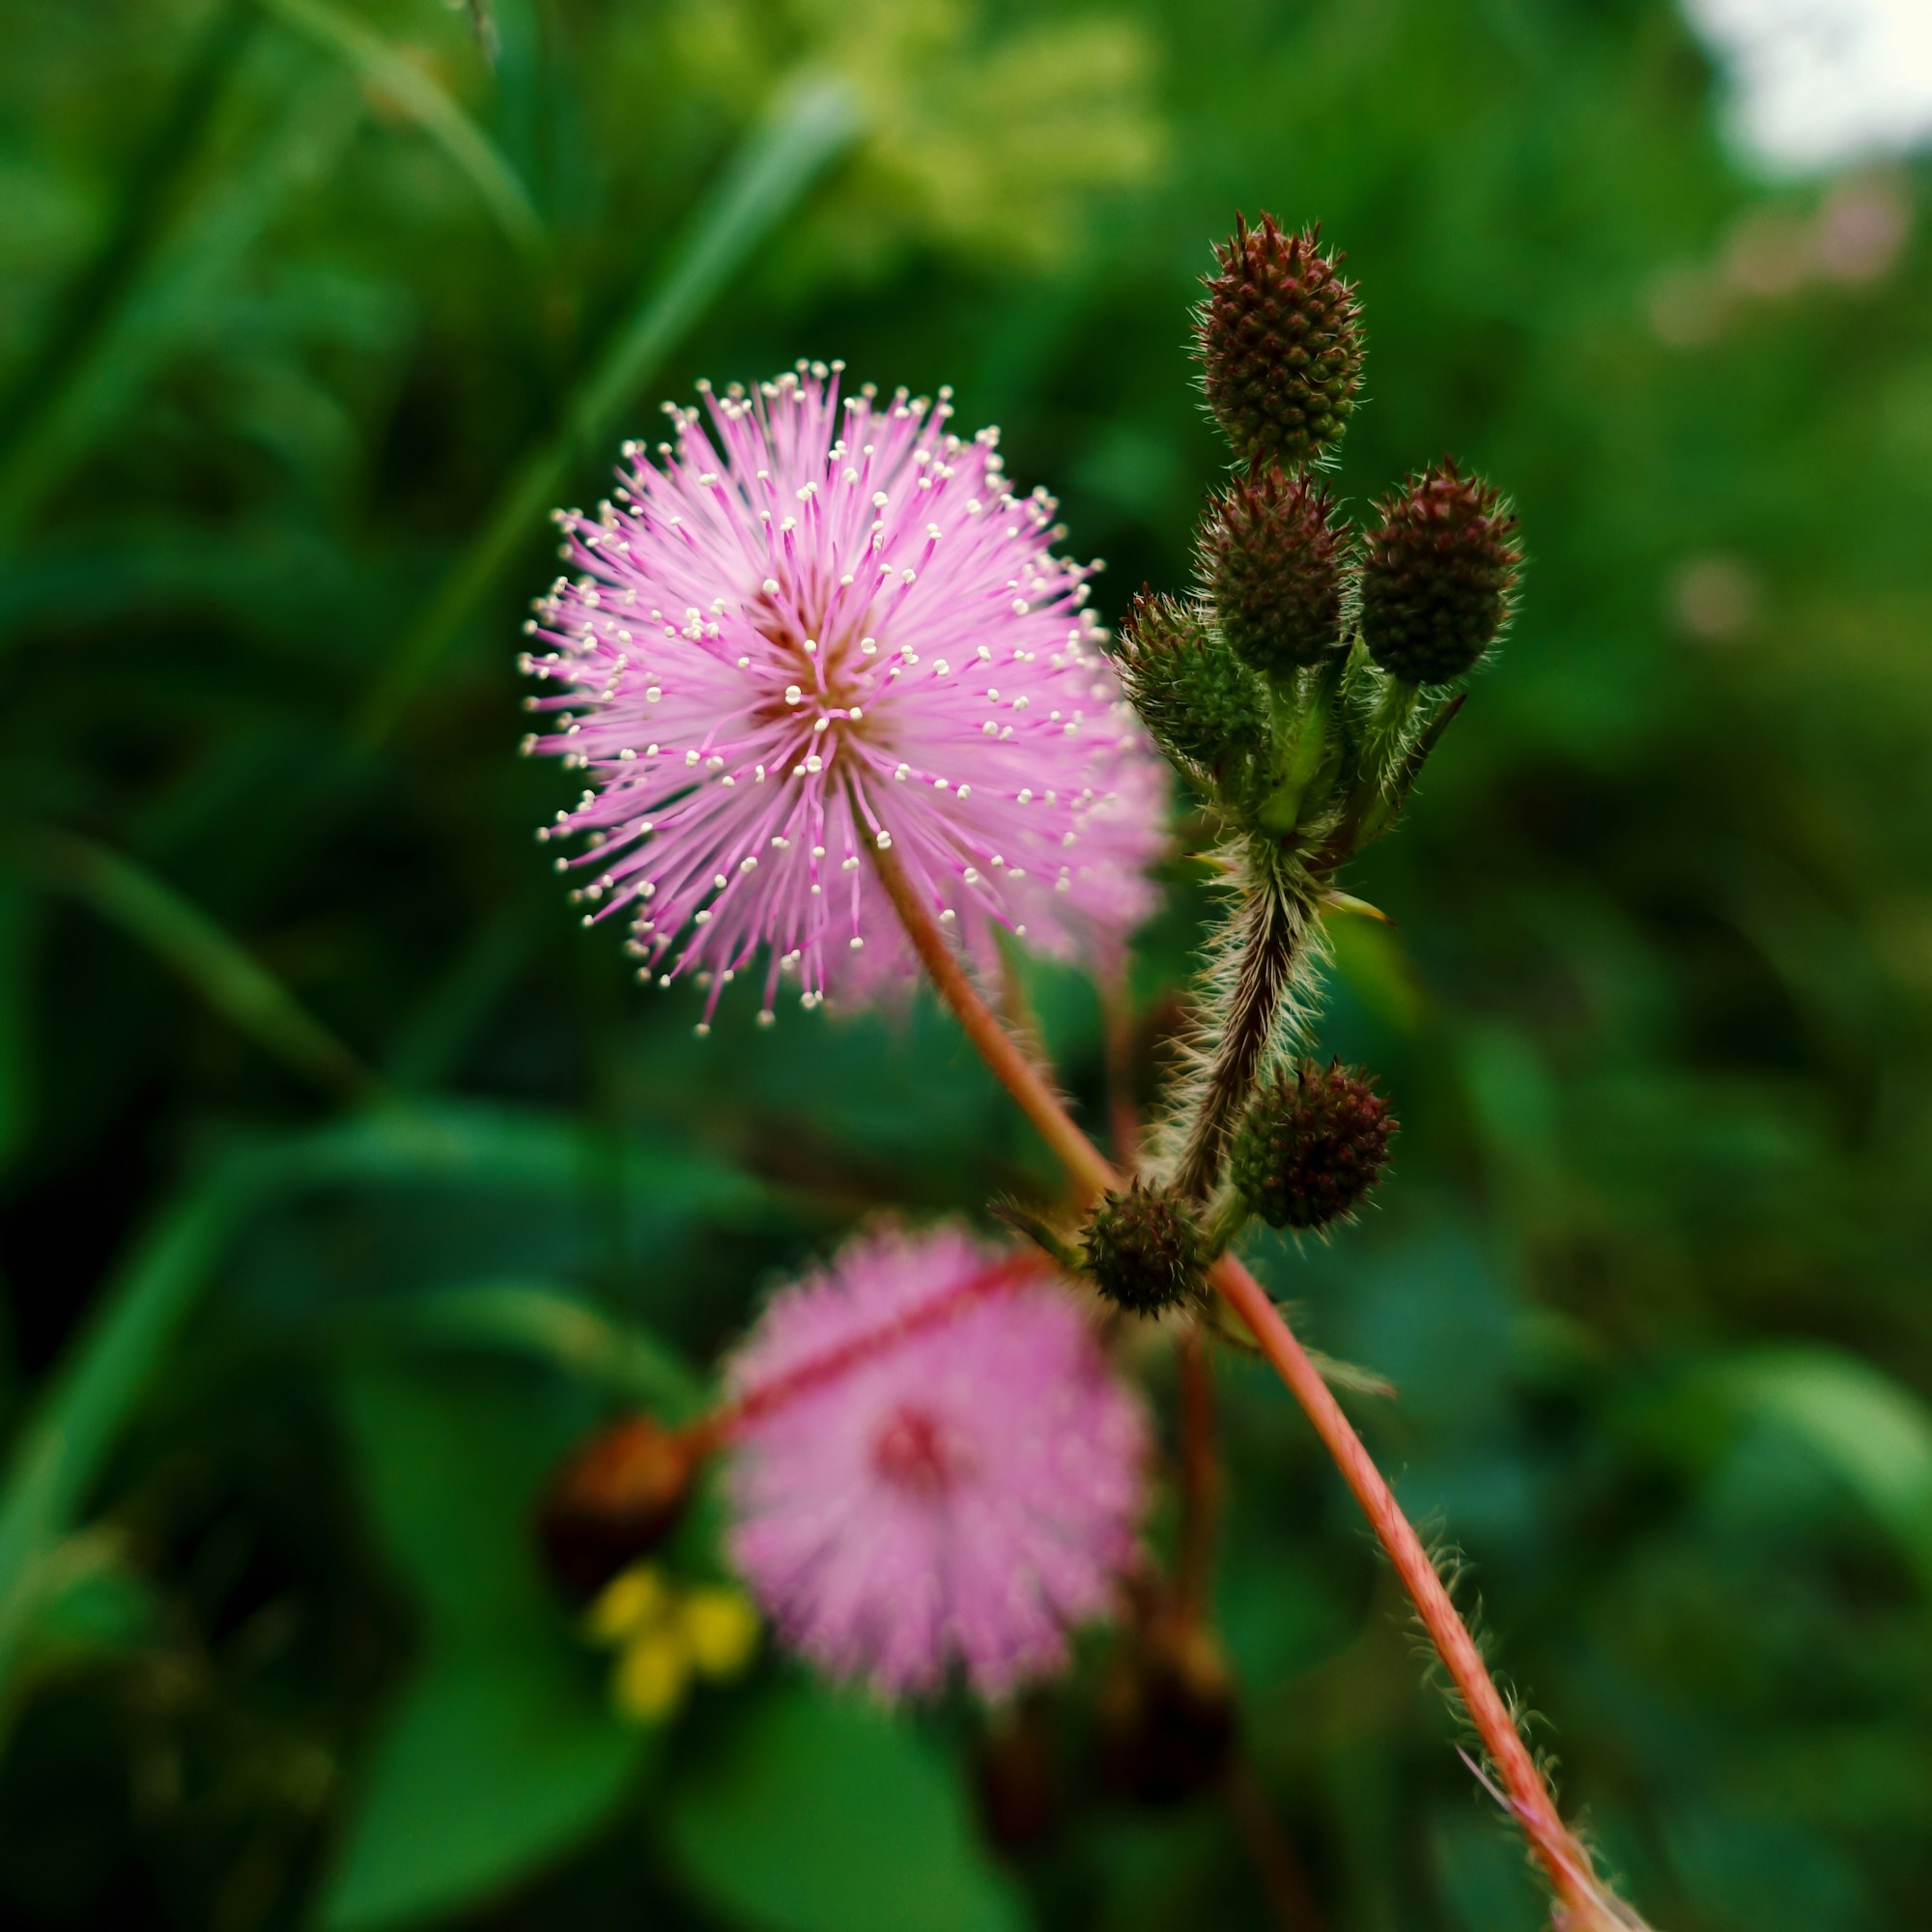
(1311, 1145)
(1165, 1713)
(614, 1501)
(1280, 342)
(1268, 554)
(1438, 576)
(1017, 1773)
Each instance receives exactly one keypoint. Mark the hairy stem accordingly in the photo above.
(1273, 924)
(1200, 1477)
(1585, 1905)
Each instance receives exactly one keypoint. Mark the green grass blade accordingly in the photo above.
(60, 1450)
(813, 123)
(147, 199)
(152, 912)
(167, 297)
(369, 55)
(553, 1325)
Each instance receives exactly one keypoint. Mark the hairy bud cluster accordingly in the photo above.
(1280, 342)
(1145, 1249)
(1312, 1144)
(1438, 576)
(1204, 707)
(1272, 562)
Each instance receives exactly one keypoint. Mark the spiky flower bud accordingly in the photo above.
(1143, 1249)
(1268, 554)
(613, 1502)
(1280, 341)
(1202, 705)
(1311, 1145)
(1438, 576)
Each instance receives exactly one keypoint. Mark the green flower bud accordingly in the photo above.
(1311, 1145)
(1145, 1249)
(1268, 554)
(1204, 708)
(1280, 343)
(1438, 578)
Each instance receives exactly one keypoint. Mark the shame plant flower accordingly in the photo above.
(818, 627)
(933, 1464)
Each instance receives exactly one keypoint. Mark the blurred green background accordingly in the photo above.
(346, 1182)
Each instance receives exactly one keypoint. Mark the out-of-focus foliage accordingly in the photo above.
(295, 286)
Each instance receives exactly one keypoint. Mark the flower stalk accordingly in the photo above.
(1564, 1861)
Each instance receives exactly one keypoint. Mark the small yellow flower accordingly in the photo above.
(665, 1636)
(652, 1673)
(633, 1600)
(721, 1627)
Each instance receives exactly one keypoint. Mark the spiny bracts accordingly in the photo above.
(1280, 343)
(1202, 705)
(1143, 1249)
(1271, 562)
(1311, 1145)
(1438, 578)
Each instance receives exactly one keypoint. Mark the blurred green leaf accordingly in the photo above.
(162, 295)
(93, 1601)
(560, 1329)
(491, 1762)
(502, 1749)
(824, 1813)
(60, 1449)
(154, 913)
(59, 1452)
(16, 1012)
(413, 90)
(1870, 1430)
(145, 202)
(811, 122)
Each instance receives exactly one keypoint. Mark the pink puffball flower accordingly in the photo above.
(933, 1464)
(817, 626)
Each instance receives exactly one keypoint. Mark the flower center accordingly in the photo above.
(915, 1452)
(829, 667)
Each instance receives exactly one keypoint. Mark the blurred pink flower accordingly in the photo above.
(819, 626)
(934, 1464)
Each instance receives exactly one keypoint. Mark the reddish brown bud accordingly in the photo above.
(1311, 1145)
(1280, 343)
(612, 1501)
(1017, 1773)
(1438, 576)
(1268, 554)
(1165, 1714)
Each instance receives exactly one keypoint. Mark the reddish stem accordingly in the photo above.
(1116, 1024)
(710, 1430)
(1586, 1906)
